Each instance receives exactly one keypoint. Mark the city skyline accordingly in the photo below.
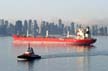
(20, 28)
(79, 11)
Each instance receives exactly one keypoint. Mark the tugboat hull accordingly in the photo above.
(29, 57)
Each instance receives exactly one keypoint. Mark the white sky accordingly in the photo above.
(69, 10)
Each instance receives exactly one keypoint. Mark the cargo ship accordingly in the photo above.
(83, 37)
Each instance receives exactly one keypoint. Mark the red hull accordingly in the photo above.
(73, 41)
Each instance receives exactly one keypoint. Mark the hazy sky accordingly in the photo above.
(52, 9)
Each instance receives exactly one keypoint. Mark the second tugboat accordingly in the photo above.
(29, 54)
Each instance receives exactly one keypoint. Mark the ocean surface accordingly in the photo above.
(57, 57)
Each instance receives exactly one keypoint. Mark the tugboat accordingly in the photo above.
(29, 54)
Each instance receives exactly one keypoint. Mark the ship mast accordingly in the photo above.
(27, 33)
(46, 33)
(67, 34)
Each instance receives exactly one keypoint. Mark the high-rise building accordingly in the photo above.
(25, 28)
(19, 27)
(36, 28)
(72, 31)
(61, 27)
(2, 22)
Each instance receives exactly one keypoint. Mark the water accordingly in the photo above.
(55, 57)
